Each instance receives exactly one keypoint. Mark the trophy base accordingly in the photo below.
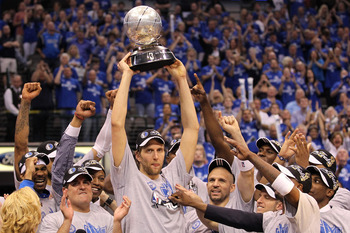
(151, 57)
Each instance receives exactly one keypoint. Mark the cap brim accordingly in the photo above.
(284, 170)
(313, 160)
(150, 138)
(95, 168)
(265, 141)
(52, 154)
(268, 189)
(314, 169)
(177, 144)
(40, 162)
(78, 174)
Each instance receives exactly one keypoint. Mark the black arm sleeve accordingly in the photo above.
(235, 218)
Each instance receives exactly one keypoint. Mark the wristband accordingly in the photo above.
(72, 131)
(244, 165)
(108, 201)
(283, 184)
(281, 158)
(79, 117)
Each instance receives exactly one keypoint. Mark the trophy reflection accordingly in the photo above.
(143, 26)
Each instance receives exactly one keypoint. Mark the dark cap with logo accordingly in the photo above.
(49, 148)
(323, 157)
(219, 163)
(93, 165)
(297, 172)
(42, 160)
(328, 177)
(276, 146)
(145, 136)
(73, 172)
(174, 145)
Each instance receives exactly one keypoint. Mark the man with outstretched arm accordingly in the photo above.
(145, 182)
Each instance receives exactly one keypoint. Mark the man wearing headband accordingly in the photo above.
(145, 182)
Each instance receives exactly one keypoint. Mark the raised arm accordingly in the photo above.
(222, 149)
(29, 92)
(188, 113)
(289, 190)
(119, 111)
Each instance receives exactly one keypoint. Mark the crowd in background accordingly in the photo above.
(296, 52)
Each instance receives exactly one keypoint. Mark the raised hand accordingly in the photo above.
(30, 167)
(110, 95)
(198, 91)
(122, 210)
(66, 207)
(288, 145)
(177, 70)
(302, 150)
(228, 123)
(124, 65)
(85, 109)
(31, 90)
(185, 197)
(240, 151)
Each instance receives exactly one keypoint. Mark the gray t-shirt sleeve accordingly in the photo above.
(307, 216)
(63, 161)
(51, 223)
(341, 199)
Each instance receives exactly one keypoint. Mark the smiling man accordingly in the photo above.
(83, 213)
(145, 182)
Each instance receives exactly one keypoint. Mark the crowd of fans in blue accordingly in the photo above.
(297, 54)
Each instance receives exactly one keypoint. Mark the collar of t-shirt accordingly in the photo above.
(325, 208)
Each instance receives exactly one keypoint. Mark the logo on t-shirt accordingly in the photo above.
(325, 228)
(282, 229)
(158, 201)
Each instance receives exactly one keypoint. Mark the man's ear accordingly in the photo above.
(330, 193)
(137, 155)
(300, 187)
(279, 205)
(232, 188)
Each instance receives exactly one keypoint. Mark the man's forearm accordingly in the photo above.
(235, 218)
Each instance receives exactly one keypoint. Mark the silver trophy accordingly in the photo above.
(143, 26)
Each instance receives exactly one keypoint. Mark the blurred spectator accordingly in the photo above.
(294, 105)
(12, 102)
(83, 45)
(288, 87)
(7, 51)
(50, 45)
(93, 92)
(314, 90)
(211, 73)
(43, 102)
(343, 168)
(144, 96)
(200, 163)
(31, 30)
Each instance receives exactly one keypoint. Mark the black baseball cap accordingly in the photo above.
(328, 177)
(73, 172)
(323, 157)
(219, 162)
(92, 164)
(297, 172)
(42, 160)
(276, 146)
(49, 148)
(174, 146)
(145, 136)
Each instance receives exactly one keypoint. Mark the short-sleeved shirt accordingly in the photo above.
(97, 220)
(151, 209)
(334, 219)
(276, 221)
(305, 218)
(236, 202)
(341, 199)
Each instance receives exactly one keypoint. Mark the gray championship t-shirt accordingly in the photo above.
(151, 210)
(277, 222)
(236, 202)
(306, 218)
(341, 199)
(334, 220)
(193, 224)
(97, 220)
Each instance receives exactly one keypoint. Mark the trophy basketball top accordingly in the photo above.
(143, 25)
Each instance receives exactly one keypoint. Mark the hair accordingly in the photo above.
(21, 212)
